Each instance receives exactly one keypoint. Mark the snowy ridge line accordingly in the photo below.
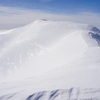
(22, 48)
(59, 94)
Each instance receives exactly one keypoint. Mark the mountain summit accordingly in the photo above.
(49, 55)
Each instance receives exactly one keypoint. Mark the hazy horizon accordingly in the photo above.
(16, 13)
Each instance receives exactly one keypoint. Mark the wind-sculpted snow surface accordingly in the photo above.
(60, 94)
(50, 55)
(67, 94)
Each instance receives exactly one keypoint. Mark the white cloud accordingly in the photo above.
(11, 17)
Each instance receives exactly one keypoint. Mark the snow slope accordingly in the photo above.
(50, 56)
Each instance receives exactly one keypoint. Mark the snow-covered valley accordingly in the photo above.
(62, 59)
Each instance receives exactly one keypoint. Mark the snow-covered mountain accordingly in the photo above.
(50, 60)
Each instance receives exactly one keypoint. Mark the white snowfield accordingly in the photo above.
(50, 60)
